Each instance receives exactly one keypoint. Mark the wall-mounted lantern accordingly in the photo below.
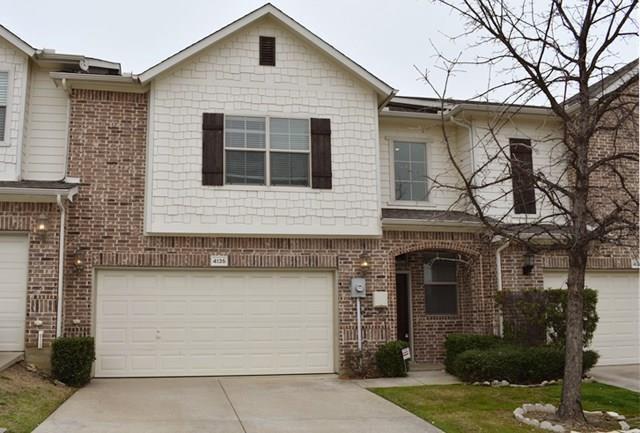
(364, 262)
(527, 266)
(79, 259)
(42, 225)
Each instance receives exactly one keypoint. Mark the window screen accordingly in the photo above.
(410, 167)
(440, 285)
(4, 97)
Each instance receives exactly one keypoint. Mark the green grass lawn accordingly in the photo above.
(476, 409)
(26, 399)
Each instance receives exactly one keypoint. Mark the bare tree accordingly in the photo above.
(587, 195)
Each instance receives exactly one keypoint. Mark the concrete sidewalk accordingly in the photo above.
(266, 404)
(624, 376)
(414, 378)
(7, 359)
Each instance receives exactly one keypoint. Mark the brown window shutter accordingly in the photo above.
(267, 51)
(321, 153)
(212, 148)
(524, 193)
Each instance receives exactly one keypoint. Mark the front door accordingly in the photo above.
(402, 297)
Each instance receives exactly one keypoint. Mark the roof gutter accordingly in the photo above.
(40, 191)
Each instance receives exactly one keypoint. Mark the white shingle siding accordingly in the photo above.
(45, 140)
(438, 163)
(227, 78)
(16, 63)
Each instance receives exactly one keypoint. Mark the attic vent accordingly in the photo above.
(267, 51)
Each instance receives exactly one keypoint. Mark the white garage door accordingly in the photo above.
(197, 323)
(14, 251)
(617, 336)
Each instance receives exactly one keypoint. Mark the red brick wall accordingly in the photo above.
(107, 151)
(42, 280)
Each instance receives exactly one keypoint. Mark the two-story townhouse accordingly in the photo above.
(258, 203)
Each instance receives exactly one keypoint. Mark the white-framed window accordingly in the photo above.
(441, 284)
(4, 101)
(410, 171)
(267, 151)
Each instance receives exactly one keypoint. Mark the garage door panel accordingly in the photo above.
(617, 336)
(213, 323)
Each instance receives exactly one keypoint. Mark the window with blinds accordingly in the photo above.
(440, 284)
(4, 99)
(254, 156)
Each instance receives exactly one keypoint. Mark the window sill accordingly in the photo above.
(264, 188)
(411, 204)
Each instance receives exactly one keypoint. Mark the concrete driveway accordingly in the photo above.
(279, 404)
(624, 376)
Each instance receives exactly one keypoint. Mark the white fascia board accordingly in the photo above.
(39, 194)
(16, 41)
(412, 115)
(268, 10)
(116, 83)
(426, 225)
(502, 109)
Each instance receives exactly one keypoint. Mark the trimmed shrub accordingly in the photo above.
(71, 359)
(389, 359)
(515, 364)
(537, 317)
(455, 344)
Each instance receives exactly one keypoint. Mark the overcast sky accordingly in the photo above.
(388, 37)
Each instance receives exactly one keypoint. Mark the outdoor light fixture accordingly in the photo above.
(79, 259)
(527, 266)
(365, 261)
(42, 225)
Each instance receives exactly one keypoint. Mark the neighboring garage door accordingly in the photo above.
(617, 336)
(14, 257)
(197, 323)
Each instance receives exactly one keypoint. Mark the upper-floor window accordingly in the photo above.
(267, 151)
(524, 194)
(410, 168)
(4, 97)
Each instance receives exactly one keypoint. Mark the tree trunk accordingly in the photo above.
(571, 404)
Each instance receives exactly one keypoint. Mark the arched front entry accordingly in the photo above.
(439, 290)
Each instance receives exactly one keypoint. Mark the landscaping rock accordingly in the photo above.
(546, 425)
(624, 425)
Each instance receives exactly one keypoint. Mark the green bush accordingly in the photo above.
(71, 359)
(389, 359)
(537, 317)
(515, 364)
(455, 344)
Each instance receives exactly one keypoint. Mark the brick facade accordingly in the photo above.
(42, 277)
(105, 225)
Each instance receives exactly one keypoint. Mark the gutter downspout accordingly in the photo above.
(499, 284)
(469, 127)
(60, 267)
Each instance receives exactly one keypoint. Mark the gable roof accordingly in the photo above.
(382, 88)
(14, 40)
(611, 82)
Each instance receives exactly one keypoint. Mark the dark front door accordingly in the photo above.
(402, 297)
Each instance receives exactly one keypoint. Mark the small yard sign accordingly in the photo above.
(406, 353)
(219, 261)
